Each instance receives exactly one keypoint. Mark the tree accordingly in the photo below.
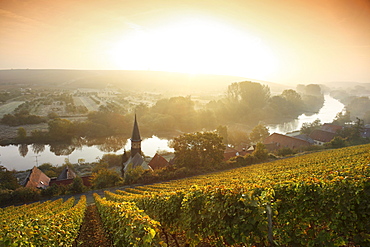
(105, 178)
(21, 134)
(112, 159)
(77, 186)
(313, 89)
(353, 133)
(295, 102)
(259, 133)
(60, 129)
(222, 131)
(260, 153)
(337, 142)
(49, 170)
(198, 150)
(7, 179)
(175, 112)
(358, 106)
(133, 174)
(342, 118)
(307, 128)
(249, 94)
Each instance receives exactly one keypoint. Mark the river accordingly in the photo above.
(11, 158)
(326, 114)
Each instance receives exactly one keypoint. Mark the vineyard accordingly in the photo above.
(318, 199)
(52, 223)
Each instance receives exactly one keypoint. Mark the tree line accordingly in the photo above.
(246, 103)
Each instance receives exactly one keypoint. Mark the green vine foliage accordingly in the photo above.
(320, 199)
(127, 224)
(46, 224)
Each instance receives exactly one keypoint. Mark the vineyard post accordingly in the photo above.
(269, 219)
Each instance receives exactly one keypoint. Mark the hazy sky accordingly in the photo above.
(283, 41)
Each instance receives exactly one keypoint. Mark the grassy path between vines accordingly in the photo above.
(92, 233)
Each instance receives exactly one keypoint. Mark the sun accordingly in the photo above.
(195, 45)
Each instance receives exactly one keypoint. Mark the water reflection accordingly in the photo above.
(112, 144)
(62, 149)
(326, 115)
(23, 150)
(38, 148)
(23, 157)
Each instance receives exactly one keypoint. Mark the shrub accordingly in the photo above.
(77, 186)
(236, 161)
(26, 194)
(132, 175)
(249, 159)
(105, 178)
(285, 151)
(260, 153)
(50, 191)
(5, 197)
(337, 142)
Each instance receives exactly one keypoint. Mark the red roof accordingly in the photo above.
(331, 127)
(36, 179)
(322, 136)
(283, 141)
(232, 152)
(158, 162)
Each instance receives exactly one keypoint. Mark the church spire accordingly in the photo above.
(135, 139)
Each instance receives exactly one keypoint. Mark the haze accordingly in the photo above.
(286, 42)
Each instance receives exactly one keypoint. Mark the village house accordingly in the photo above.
(158, 162)
(67, 176)
(238, 151)
(277, 141)
(321, 137)
(36, 179)
(331, 128)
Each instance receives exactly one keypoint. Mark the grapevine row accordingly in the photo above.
(127, 224)
(53, 224)
(316, 199)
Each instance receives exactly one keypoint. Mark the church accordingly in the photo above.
(136, 158)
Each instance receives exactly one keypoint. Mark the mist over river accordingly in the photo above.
(326, 115)
(11, 158)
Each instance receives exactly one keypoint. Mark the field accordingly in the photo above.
(86, 102)
(317, 199)
(9, 107)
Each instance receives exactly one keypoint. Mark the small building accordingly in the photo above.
(158, 162)
(67, 176)
(305, 138)
(36, 179)
(67, 173)
(277, 141)
(239, 151)
(321, 137)
(331, 128)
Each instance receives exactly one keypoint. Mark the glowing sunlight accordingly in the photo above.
(194, 46)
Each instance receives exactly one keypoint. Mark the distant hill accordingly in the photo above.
(125, 79)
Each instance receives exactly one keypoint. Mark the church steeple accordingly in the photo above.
(135, 140)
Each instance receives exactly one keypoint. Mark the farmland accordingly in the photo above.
(9, 107)
(317, 199)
